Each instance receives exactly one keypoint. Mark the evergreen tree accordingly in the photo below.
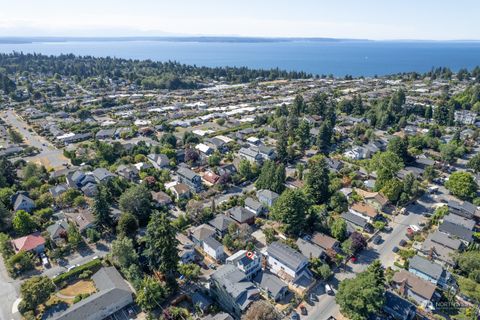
(291, 209)
(376, 269)
(161, 246)
(303, 135)
(317, 181)
(101, 209)
(282, 143)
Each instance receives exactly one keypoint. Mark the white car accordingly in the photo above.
(414, 227)
(328, 289)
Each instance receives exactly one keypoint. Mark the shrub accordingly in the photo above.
(91, 266)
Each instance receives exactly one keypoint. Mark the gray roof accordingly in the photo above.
(237, 285)
(427, 267)
(111, 288)
(444, 239)
(397, 304)
(456, 230)
(240, 214)
(286, 255)
(218, 316)
(21, 198)
(212, 243)
(356, 220)
(187, 173)
(267, 194)
(221, 222)
(55, 229)
(309, 250)
(270, 283)
(102, 173)
(459, 220)
(253, 204)
(465, 207)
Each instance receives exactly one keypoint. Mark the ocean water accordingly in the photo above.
(367, 58)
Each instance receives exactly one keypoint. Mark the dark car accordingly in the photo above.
(395, 249)
(303, 310)
(295, 316)
(402, 243)
(377, 239)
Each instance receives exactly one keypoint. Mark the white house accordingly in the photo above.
(247, 261)
(288, 264)
(213, 248)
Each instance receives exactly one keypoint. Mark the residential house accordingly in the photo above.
(205, 151)
(457, 231)
(357, 153)
(250, 155)
(441, 247)
(32, 243)
(354, 221)
(287, 263)
(461, 221)
(398, 308)
(267, 153)
(104, 134)
(246, 261)
(254, 206)
(465, 209)
(218, 316)
(267, 197)
(271, 285)
(186, 248)
(310, 250)
(102, 175)
(221, 223)
(213, 248)
(210, 177)
(200, 233)
(410, 286)
(113, 293)
(190, 178)
(375, 199)
(364, 210)
(430, 271)
(57, 190)
(161, 199)
(128, 172)
(241, 215)
(226, 169)
(232, 290)
(181, 191)
(21, 201)
(82, 218)
(326, 242)
(159, 161)
(58, 231)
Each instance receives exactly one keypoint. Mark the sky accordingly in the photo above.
(357, 19)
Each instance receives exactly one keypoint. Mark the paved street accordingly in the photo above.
(49, 155)
(326, 305)
(9, 289)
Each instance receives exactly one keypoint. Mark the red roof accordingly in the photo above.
(29, 242)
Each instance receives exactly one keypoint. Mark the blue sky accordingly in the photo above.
(366, 19)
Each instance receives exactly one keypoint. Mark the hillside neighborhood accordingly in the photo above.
(281, 197)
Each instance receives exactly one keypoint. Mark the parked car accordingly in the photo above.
(402, 243)
(303, 310)
(313, 297)
(387, 229)
(295, 316)
(376, 239)
(45, 262)
(212, 266)
(395, 249)
(328, 289)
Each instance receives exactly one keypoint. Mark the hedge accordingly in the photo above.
(92, 266)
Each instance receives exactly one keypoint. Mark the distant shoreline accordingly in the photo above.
(205, 39)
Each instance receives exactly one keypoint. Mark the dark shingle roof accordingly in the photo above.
(427, 267)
